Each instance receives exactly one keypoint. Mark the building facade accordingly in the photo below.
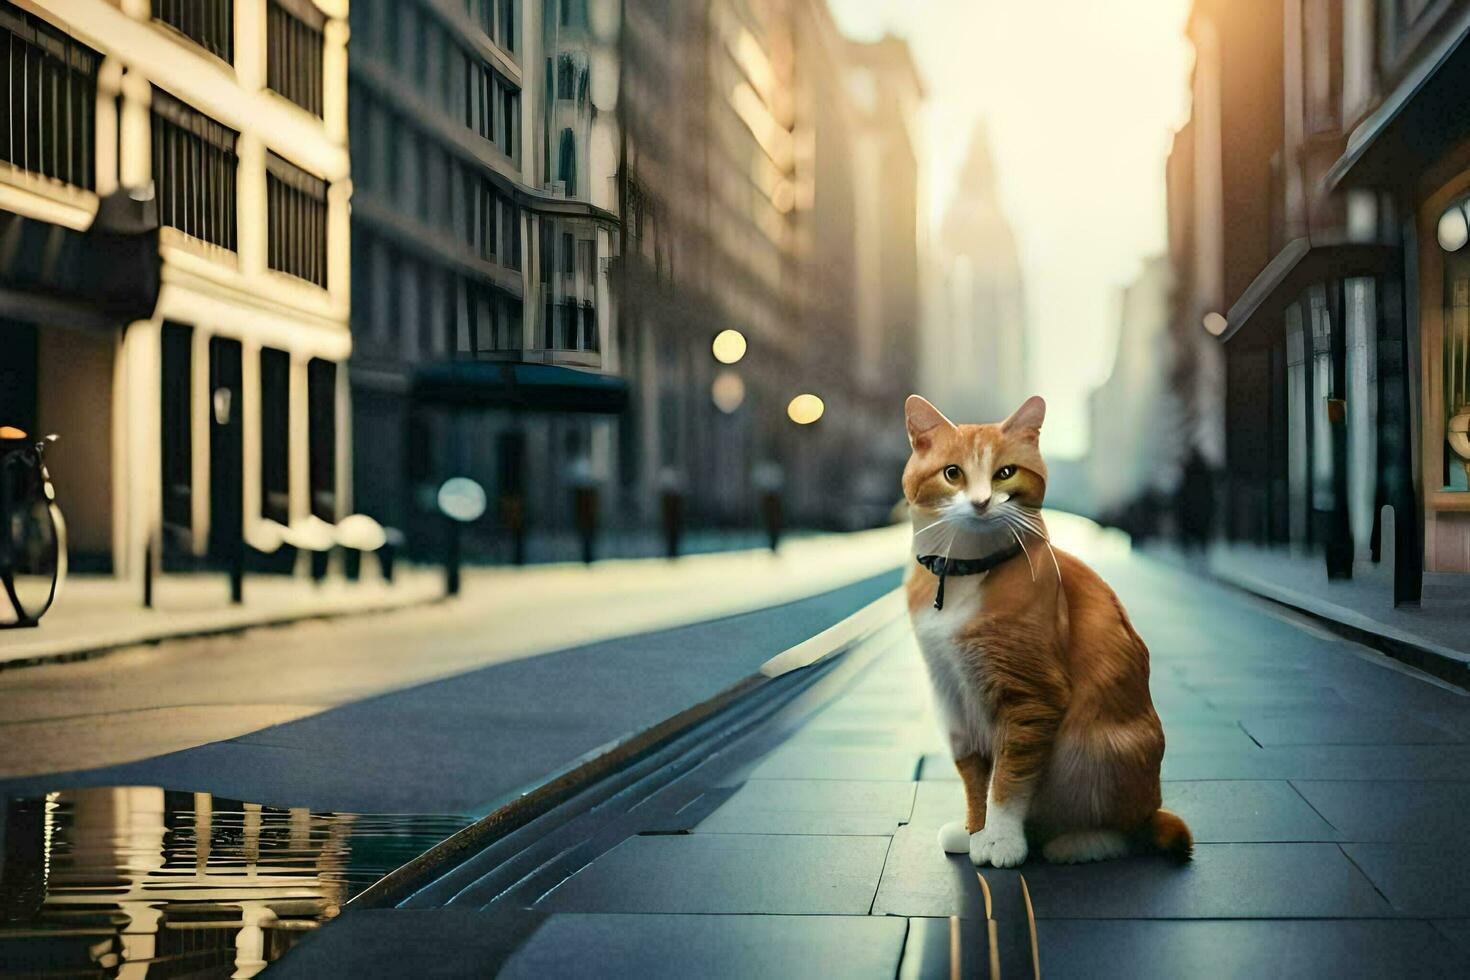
(484, 227)
(975, 351)
(200, 149)
(751, 135)
(1317, 228)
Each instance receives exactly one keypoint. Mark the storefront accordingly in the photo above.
(1412, 154)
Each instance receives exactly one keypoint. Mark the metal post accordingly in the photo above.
(452, 557)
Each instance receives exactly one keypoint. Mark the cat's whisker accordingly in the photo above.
(1029, 566)
(1054, 562)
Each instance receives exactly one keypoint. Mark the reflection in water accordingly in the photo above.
(137, 881)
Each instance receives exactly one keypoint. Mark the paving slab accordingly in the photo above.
(1224, 881)
(1318, 726)
(802, 762)
(920, 879)
(1426, 812)
(1245, 811)
(710, 946)
(836, 807)
(1167, 950)
(768, 874)
(1419, 879)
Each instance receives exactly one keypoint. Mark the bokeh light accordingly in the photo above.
(727, 391)
(729, 346)
(805, 409)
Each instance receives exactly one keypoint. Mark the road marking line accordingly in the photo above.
(837, 637)
(955, 971)
(992, 929)
(1031, 921)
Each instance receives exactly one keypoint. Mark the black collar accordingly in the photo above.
(942, 566)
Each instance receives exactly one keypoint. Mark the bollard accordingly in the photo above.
(586, 507)
(771, 510)
(672, 507)
(452, 557)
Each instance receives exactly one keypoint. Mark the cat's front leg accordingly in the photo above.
(974, 769)
(1025, 747)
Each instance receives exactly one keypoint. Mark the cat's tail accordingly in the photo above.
(1169, 835)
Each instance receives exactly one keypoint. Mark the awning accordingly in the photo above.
(528, 387)
(1423, 117)
(1299, 265)
(104, 277)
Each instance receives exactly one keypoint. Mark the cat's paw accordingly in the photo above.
(954, 838)
(999, 848)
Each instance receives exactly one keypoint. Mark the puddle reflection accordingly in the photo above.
(137, 881)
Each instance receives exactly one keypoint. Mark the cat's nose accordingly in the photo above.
(980, 505)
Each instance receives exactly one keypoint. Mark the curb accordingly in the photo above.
(614, 757)
(93, 648)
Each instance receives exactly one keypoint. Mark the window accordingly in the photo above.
(275, 435)
(507, 36)
(177, 456)
(566, 77)
(208, 23)
(50, 99)
(294, 52)
(297, 203)
(194, 171)
(567, 161)
(321, 403)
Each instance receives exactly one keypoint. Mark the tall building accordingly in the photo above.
(174, 185)
(746, 142)
(1133, 461)
(975, 350)
(484, 225)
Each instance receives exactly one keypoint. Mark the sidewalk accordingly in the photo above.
(1325, 787)
(100, 614)
(96, 614)
(1433, 635)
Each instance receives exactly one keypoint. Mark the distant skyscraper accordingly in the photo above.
(974, 350)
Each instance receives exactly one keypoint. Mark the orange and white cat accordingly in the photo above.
(1040, 681)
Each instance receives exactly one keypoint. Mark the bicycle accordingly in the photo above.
(32, 530)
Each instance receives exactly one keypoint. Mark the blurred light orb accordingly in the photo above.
(1453, 232)
(727, 391)
(805, 409)
(1215, 324)
(728, 346)
(461, 499)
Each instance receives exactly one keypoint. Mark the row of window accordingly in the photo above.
(448, 72)
(50, 96)
(497, 18)
(195, 171)
(395, 161)
(403, 306)
(293, 41)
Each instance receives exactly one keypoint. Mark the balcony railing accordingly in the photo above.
(50, 99)
(297, 241)
(294, 52)
(194, 171)
(208, 23)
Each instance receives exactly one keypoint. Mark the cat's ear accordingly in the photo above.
(1026, 420)
(923, 420)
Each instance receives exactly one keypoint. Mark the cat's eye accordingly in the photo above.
(952, 473)
(1005, 473)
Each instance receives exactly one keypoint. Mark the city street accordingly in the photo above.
(791, 832)
(1323, 784)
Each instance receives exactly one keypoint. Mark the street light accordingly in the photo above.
(727, 392)
(805, 409)
(728, 346)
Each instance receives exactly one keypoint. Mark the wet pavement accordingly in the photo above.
(1324, 785)
(135, 880)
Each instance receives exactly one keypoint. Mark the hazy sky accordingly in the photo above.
(1080, 98)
